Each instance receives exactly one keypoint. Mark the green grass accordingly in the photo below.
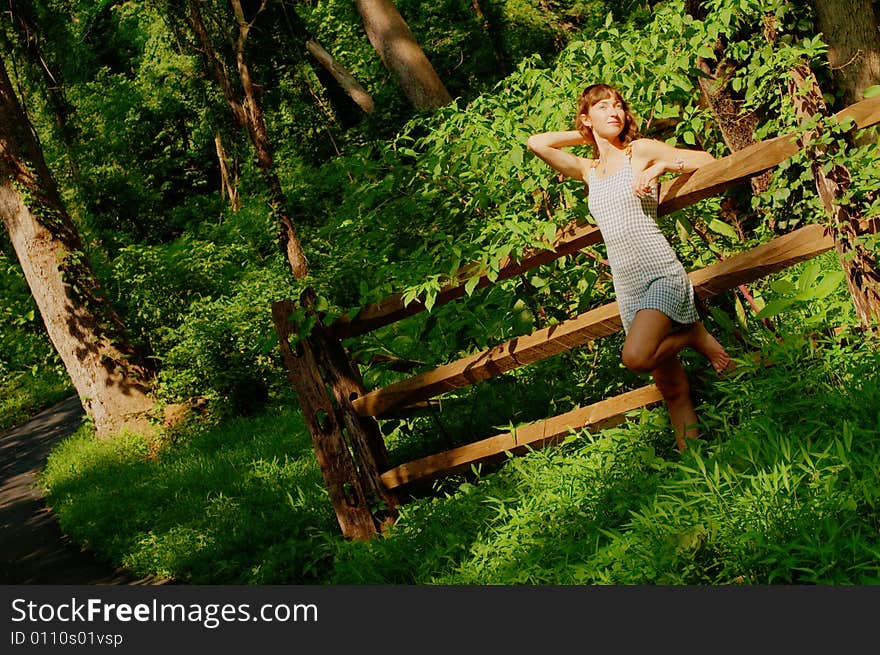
(783, 489)
(239, 503)
(23, 394)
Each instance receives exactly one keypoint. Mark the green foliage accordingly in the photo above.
(226, 347)
(780, 499)
(241, 503)
(161, 282)
(31, 375)
(815, 295)
(783, 489)
(472, 46)
(144, 146)
(20, 342)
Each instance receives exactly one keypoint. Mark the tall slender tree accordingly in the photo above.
(345, 80)
(241, 94)
(112, 381)
(401, 53)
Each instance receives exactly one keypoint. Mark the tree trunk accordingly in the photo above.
(228, 180)
(112, 383)
(402, 55)
(249, 116)
(859, 263)
(348, 83)
(850, 29)
(737, 127)
(340, 74)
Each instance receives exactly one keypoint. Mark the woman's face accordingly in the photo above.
(606, 118)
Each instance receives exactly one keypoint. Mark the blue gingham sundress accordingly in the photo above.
(644, 268)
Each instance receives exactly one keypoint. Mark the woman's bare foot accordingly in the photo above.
(708, 346)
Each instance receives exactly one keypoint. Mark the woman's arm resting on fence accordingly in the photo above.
(653, 158)
(548, 146)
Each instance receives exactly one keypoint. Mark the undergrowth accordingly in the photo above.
(783, 488)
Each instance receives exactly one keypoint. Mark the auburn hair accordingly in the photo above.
(593, 94)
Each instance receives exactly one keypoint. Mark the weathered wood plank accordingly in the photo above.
(337, 467)
(721, 174)
(597, 416)
(364, 439)
(523, 350)
(775, 255)
(569, 239)
(677, 193)
(593, 324)
(865, 113)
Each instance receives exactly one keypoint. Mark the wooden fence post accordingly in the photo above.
(337, 467)
(364, 438)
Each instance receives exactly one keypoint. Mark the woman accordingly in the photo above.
(654, 293)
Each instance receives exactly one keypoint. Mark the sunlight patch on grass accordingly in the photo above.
(24, 394)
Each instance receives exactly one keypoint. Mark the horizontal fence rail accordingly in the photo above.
(716, 176)
(598, 416)
(677, 193)
(569, 239)
(767, 258)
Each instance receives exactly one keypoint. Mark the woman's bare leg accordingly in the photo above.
(649, 342)
(672, 382)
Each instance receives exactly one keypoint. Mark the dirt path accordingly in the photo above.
(33, 549)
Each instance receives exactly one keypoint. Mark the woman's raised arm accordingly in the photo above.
(547, 146)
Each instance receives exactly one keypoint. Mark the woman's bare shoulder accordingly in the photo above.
(646, 146)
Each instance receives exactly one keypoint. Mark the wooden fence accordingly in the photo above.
(343, 420)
